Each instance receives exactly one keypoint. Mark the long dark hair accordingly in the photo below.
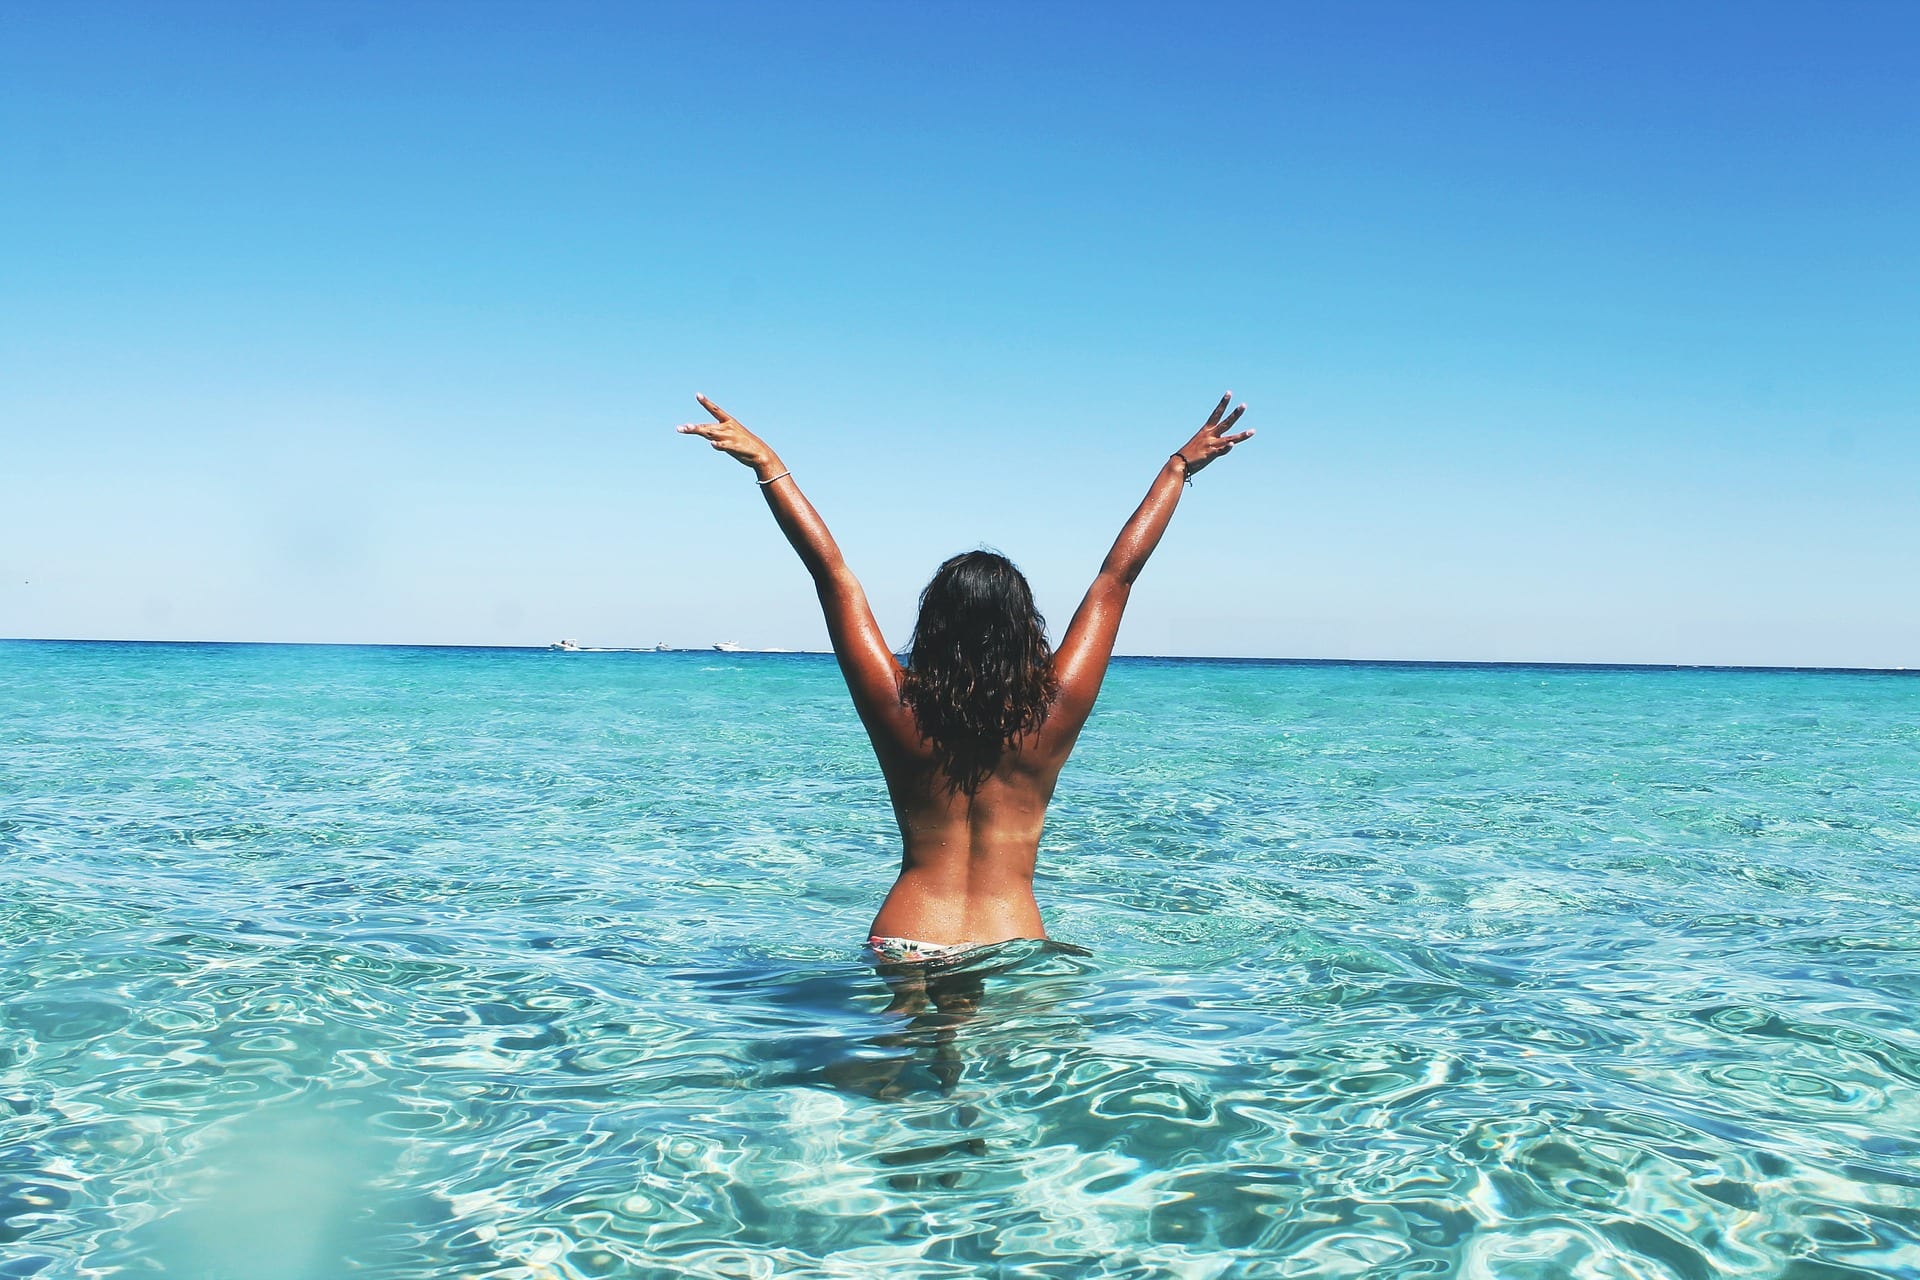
(981, 671)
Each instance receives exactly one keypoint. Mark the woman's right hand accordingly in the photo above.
(1212, 440)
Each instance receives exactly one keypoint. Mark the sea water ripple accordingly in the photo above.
(422, 963)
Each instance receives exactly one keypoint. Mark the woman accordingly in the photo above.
(973, 733)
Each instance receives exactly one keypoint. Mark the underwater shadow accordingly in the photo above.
(956, 1012)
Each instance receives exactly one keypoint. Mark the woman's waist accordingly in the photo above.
(961, 883)
(953, 863)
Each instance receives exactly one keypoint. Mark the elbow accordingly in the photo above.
(832, 576)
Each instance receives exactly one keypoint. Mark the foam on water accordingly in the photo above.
(416, 963)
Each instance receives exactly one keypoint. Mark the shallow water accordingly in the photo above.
(426, 963)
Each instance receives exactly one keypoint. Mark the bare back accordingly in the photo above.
(967, 866)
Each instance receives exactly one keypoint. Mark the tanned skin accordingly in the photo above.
(967, 871)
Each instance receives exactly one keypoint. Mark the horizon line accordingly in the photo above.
(1511, 663)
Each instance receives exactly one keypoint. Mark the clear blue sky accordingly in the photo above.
(1583, 332)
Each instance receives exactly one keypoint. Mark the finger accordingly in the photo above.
(1244, 435)
(696, 429)
(1220, 408)
(1232, 418)
(719, 414)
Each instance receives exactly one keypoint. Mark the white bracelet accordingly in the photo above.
(770, 479)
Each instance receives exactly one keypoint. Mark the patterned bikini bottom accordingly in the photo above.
(910, 951)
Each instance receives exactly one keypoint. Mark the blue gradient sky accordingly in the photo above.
(1581, 332)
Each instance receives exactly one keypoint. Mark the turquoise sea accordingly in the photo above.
(363, 962)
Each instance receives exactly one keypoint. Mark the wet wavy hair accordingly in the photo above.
(980, 674)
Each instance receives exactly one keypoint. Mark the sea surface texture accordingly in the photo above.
(334, 962)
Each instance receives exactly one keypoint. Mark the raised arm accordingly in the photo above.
(1081, 660)
(871, 670)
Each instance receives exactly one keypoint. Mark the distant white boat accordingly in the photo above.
(566, 646)
(728, 646)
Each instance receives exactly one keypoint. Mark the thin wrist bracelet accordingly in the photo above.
(770, 479)
(1186, 468)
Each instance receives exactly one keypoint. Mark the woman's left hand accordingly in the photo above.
(728, 436)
